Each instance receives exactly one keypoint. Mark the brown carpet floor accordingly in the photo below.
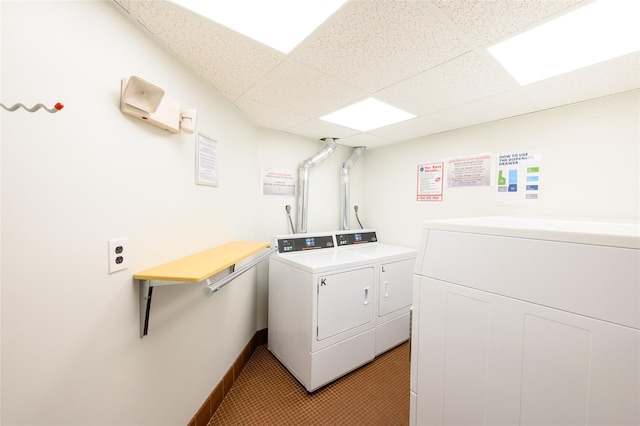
(266, 394)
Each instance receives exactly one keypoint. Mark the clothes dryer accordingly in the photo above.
(393, 278)
(321, 308)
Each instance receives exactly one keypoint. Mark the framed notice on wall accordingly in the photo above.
(206, 161)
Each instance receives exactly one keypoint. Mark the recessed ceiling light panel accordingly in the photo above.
(593, 33)
(280, 24)
(367, 115)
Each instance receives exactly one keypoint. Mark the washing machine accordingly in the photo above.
(321, 308)
(393, 284)
(526, 320)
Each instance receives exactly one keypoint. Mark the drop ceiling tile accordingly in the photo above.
(123, 4)
(464, 79)
(230, 96)
(508, 104)
(410, 129)
(295, 87)
(484, 21)
(269, 116)
(365, 139)
(613, 76)
(318, 129)
(433, 49)
(228, 60)
(373, 44)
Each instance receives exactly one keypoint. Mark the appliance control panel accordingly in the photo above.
(351, 238)
(303, 243)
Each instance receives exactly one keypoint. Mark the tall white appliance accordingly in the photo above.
(333, 309)
(526, 321)
(393, 270)
(321, 323)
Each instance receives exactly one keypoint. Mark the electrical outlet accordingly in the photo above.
(118, 254)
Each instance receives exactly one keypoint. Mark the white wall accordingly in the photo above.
(71, 352)
(589, 168)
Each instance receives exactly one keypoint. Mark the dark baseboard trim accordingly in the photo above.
(215, 398)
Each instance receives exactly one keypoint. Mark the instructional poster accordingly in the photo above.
(430, 182)
(278, 182)
(474, 170)
(206, 161)
(519, 177)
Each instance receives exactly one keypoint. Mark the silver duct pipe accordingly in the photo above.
(303, 181)
(345, 171)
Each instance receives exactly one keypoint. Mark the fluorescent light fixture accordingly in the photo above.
(280, 24)
(593, 33)
(368, 114)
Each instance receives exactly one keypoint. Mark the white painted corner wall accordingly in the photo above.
(71, 351)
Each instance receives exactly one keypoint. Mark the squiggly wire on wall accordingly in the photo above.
(57, 107)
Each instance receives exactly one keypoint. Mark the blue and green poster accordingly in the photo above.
(519, 177)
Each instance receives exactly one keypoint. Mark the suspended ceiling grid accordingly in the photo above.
(427, 57)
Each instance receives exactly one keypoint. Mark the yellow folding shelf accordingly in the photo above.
(196, 268)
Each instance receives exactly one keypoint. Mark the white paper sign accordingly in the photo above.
(430, 179)
(278, 182)
(206, 161)
(473, 170)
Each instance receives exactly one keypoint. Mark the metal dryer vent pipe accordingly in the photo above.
(345, 172)
(303, 181)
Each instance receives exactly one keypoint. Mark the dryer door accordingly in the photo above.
(345, 301)
(396, 286)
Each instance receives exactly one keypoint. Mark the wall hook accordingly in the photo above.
(57, 107)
